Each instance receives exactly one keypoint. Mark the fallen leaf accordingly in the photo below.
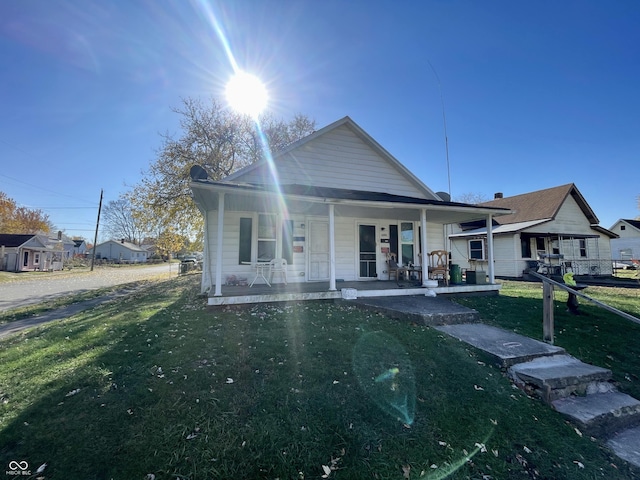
(526, 449)
(327, 471)
(229, 380)
(73, 392)
(41, 468)
(580, 464)
(482, 447)
(478, 387)
(578, 432)
(406, 471)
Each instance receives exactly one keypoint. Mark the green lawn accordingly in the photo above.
(160, 385)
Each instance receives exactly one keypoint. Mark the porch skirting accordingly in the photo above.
(233, 295)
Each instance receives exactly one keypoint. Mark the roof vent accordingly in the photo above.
(444, 196)
(498, 195)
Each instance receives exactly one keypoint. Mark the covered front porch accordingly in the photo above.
(280, 292)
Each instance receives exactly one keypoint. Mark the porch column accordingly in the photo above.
(218, 291)
(492, 276)
(332, 248)
(423, 247)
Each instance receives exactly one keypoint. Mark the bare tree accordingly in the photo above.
(119, 221)
(472, 198)
(215, 138)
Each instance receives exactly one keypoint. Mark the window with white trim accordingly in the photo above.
(476, 249)
(406, 242)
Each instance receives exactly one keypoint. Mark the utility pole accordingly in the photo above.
(95, 238)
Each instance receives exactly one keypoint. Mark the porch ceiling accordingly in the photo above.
(254, 199)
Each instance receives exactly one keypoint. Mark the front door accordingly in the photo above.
(367, 251)
(318, 251)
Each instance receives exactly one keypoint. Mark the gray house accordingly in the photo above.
(121, 252)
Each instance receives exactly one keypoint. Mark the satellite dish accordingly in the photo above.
(198, 173)
(444, 196)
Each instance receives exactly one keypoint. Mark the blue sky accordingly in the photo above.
(536, 94)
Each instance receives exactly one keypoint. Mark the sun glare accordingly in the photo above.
(247, 94)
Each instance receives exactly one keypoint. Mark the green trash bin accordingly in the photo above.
(456, 274)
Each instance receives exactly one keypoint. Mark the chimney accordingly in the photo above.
(498, 195)
(122, 240)
(59, 234)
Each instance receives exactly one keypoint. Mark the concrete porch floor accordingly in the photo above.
(279, 292)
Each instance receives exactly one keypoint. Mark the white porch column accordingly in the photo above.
(492, 276)
(218, 291)
(332, 248)
(424, 261)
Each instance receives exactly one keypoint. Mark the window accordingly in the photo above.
(36, 259)
(626, 254)
(555, 247)
(525, 247)
(583, 247)
(245, 241)
(406, 242)
(623, 227)
(476, 249)
(266, 237)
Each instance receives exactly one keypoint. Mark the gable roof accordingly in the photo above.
(634, 223)
(128, 245)
(355, 129)
(541, 205)
(14, 240)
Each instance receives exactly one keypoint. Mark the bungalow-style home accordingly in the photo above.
(120, 251)
(79, 247)
(28, 252)
(627, 246)
(550, 231)
(333, 206)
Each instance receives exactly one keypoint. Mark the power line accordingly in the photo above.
(45, 189)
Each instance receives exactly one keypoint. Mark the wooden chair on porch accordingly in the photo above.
(439, 265)
(393, 268)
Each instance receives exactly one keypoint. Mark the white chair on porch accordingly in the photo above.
(278, 265)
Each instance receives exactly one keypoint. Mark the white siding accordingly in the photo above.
(628, 232)
(618, 244)
(338, 159)
(570, 219)
(346, 244)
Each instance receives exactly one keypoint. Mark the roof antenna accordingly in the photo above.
(444, 122)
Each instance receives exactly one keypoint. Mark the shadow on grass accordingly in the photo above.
(157, 384)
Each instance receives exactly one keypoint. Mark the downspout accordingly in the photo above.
(492, 277)
(332, 248)
(218, 291)
(423, 246)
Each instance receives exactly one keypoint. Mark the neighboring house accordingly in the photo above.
(19, 253)
(121, 252)
(555, 226)
(627, 247)
(332, 204)
(79, 247)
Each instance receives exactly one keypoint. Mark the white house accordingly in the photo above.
(79, 247)
(332, 204)
(627, 247)
(20, 253)
(555, 226)
(121, 252)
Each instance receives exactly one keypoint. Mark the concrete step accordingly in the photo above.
(558, 376)
(429, 311)
(506, 347)
(626, 445)
(601, 414)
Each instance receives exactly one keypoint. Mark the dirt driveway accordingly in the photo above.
(32, 290)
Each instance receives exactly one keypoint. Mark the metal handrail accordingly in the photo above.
(548, 285)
